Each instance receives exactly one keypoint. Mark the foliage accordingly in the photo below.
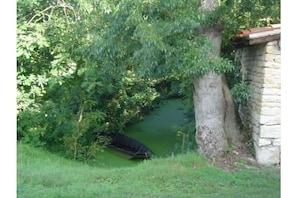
(42, 174)
(159, 38)
(186, 135)
(238, 15)
(66, 96)
(85, 66)
(241, 92)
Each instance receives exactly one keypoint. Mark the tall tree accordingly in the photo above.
(216, 127)
(159, 38)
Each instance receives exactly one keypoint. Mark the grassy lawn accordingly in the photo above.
(42, 174)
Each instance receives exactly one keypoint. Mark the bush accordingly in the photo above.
(241, 92)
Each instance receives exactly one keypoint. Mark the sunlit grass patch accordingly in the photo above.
(42, 174)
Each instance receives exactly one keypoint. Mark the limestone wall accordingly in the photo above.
(262, 69)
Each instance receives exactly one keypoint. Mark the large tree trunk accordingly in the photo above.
(216, 126)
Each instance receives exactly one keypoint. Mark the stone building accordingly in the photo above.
(259, 52)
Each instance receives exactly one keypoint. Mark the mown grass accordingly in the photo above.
(42, 174)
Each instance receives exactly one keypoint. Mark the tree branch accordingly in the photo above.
(51, 8)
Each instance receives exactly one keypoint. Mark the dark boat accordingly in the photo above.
(128, 147)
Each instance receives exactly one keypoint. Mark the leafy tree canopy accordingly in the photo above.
(85, 66)
(160, 38)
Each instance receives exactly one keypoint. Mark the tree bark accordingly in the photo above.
(216, 126)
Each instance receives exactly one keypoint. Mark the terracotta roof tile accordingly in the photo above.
(243, 36)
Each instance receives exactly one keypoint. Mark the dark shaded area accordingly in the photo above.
(126, 146)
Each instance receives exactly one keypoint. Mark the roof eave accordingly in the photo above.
(257, 36)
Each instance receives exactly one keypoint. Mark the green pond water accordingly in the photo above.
(158, 131)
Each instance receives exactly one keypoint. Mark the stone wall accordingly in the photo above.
(261, 66)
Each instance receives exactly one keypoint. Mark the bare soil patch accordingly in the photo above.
(238, 159)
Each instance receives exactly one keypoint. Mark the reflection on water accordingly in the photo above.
(157, 131)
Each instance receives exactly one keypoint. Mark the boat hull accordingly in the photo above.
(128, 147)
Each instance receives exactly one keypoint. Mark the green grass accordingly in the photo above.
(42, 174)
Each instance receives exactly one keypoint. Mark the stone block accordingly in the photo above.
(272, 58)
(270, 120)
(276, 142)
(262, 65)
(272, 64)
(268, 79)
(271, 104)
(272, 71)
(270, 111)
(268, 155)
(275, 86)
(272, 49)
(273, 131)
(271, 91)
(274, 44)
(263, 142)
(270, 98)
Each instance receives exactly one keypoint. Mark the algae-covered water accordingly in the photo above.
(158, 131)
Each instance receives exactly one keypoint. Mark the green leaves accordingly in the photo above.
(29, 38)
(241, 92)
(160, 39)
(238, 15)
(107, 55)
(72, 83)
